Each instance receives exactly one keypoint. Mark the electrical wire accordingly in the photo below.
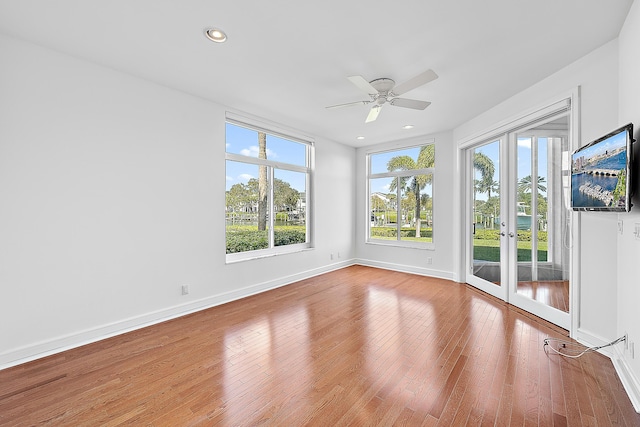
(573, 349)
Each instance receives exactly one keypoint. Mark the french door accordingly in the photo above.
(518, 241)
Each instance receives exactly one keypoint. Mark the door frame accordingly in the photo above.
(568, 101)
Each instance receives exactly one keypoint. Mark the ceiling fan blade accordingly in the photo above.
(415, 82)
(409, 103)
(363, 85)
(373, 113)
(349, 104)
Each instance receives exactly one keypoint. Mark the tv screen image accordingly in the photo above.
(601, 171)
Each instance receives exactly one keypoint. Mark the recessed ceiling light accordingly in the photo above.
(215, 35)
(360, 137)
(407, 127)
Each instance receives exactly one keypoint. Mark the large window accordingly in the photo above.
(400, 184)
(267, 192)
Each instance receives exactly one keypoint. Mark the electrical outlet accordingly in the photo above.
(185, 289)
(331, 255)
(429, 260)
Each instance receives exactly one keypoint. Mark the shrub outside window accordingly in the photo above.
(268, 180)
(400, 195)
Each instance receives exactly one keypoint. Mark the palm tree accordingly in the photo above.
(524, 185)
(483, 164)
(262, 183)
(486, 184)
(426, 159)
(524, 193)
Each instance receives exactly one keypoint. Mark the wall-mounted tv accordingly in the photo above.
(601, 173)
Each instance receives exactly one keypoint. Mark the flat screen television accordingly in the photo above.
(601, 173)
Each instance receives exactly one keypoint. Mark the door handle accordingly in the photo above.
(502, 233)
(511, 234)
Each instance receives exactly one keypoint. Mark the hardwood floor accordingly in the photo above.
(358, 346)
(554, 293)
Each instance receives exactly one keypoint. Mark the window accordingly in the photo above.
(268, 186)
(400, 190)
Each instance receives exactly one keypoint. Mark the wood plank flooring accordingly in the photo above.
(554, 293)
(358, 346)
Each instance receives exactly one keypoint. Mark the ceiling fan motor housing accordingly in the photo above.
(383, 85)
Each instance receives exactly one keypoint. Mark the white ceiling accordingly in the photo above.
(286, 61)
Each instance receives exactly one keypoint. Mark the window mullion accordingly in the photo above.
(402, 173)
(266, 162)
(271, 207)
(398, 210)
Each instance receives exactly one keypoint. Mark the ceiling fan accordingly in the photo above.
(385, 90)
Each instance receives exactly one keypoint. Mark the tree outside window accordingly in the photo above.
(268, 175)
(401, 196)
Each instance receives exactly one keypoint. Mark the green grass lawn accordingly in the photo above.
(489, 250)
(245, 237)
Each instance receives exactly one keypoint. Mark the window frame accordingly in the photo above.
(398, 174)
(272, 166)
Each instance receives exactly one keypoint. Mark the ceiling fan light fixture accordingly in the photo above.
(216, 35)
(360, 137)
(407, 127)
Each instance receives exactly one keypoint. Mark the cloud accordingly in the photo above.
(229, 178)
(524, 143)
(253, 151)
(245, 177)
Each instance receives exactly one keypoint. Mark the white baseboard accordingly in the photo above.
(62, 343)
(405, 268)
(616, 354)
(627, 378)
(589, 339)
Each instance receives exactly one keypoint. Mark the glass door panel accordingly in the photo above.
(486, 250)
(542, 256)
(518, 245)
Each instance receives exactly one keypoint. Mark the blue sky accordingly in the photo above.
(244, 141)
(611, 143)
(379, 160)
(379, 165)
(492, 150)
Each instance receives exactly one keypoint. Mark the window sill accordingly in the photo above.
(402, 244)
(266, 253)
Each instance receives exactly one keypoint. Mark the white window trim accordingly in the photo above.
(397, 243)
(290, 135)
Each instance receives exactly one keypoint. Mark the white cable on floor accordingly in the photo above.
(573, 349)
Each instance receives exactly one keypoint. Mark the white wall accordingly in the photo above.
(628, 246)
(596, 74)
(411, 259)
(112, 196)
